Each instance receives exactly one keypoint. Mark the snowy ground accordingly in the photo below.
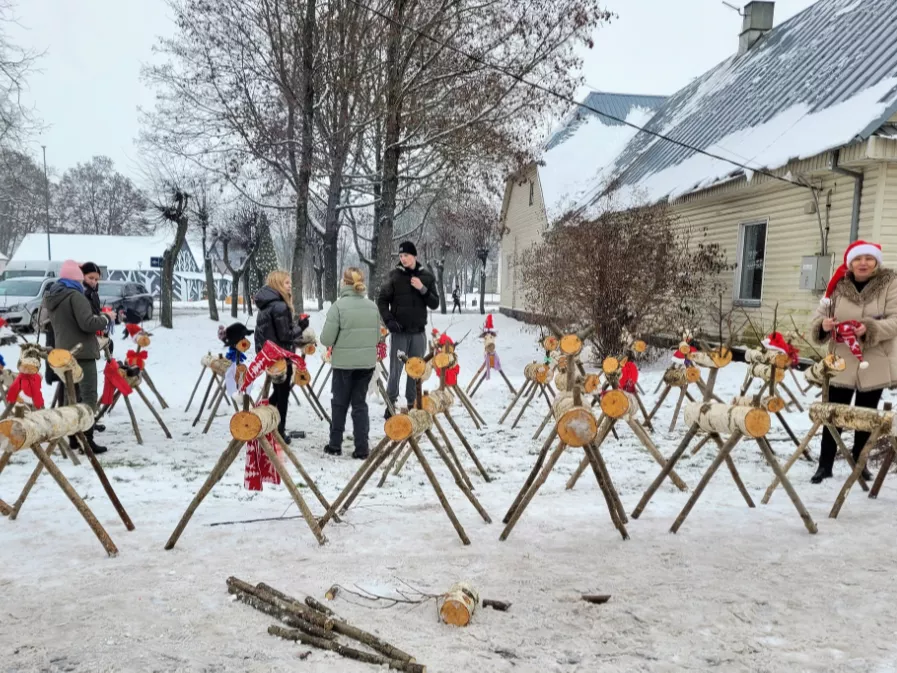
(735, 590)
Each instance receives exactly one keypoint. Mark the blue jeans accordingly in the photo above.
(350, 387)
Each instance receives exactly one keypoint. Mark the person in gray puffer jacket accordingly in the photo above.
(74, 322)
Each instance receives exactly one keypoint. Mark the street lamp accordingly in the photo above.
(47, 201)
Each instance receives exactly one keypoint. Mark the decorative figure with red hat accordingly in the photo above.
(857, 320)
(491, 361)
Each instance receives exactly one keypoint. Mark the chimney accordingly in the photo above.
(758, 17)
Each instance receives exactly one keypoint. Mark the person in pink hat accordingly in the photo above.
(858, 313)
(74, 322)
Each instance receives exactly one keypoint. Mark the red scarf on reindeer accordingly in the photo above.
(113, 381)
(266, 357)
(26, 384)
(259, 468)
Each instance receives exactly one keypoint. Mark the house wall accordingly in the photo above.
(525, 225)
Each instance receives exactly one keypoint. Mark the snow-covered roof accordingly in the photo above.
(580, 151)
(821, 80)
(124, 253)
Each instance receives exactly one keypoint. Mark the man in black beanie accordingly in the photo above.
(404, 298)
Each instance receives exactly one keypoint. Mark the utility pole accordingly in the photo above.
(47, 201)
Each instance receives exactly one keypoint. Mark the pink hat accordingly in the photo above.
(71, 270)
(853, 251)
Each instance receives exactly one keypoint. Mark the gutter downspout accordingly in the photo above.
(858, 179)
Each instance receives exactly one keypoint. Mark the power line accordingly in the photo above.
(572, 101)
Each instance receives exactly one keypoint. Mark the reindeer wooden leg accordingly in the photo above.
(76, 500)
(523, 390)
(794, 399)
(614, 507)
(700, 445)
(392, 463)
(195, 388)
(641, 406)
(306, 478)
(468, 447)
(659, 386)
(133, 419)
(153, 411)
(855, 475)
(544, 424)
(883, 470)
(468, 493)
(708, 475)
(314, 381)
(326, 379)
(439, 494)
(298, 402)
(789, 431)
(152, 387)
(665, 472)
(107, 408)
(585, 462)
(655, 453)
(404, 459)
(531, 492)
(508, 382)
(663, 396)
(477, 386)
(481, 370)
(368, 467)
(222, 393)
(683, 392)
(786, 484)
(26, 490)
(224, 462)
(313, 398)
(452, 453)
(294, 492)
(533, 391)
(363, 478)
(802, 447)
(540, 460)
(846, 453)
(205, 398)
(104, 480)
(471, 410)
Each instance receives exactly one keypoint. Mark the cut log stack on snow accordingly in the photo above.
(838, 417)
(575, 425)
(409, 430)
(258, 425)
(734, 422)
(52, 427)
(313, 624)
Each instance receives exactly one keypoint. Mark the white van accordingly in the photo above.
(38, 269)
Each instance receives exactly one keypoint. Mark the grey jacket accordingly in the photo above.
(73, 320)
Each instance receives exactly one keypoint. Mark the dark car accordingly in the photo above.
(120, 295)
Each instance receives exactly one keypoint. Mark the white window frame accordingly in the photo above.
(737, 300)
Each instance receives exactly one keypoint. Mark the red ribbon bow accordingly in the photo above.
(26, 384)
(113, 381)
(136, 359)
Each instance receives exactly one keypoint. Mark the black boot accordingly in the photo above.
(333, 450)
(99, 427)
(387, 414)
(361, 454)
(96, 448)
(823, 472)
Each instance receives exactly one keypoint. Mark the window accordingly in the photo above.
(751, 258)
(532, 192)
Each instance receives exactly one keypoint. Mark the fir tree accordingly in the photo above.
(265, 259)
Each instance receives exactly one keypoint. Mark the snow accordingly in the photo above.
(849, 8)
(736, 590)
(578, 166)
(127, 253)
(793, 134)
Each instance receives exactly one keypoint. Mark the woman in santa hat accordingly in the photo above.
(858, 312)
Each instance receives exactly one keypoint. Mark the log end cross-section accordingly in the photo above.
(255, 423)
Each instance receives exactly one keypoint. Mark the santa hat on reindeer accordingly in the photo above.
(845, 332)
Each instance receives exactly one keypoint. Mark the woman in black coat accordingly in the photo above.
(275, 323)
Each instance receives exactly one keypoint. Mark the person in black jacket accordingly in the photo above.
(275, 323)
(404, 298)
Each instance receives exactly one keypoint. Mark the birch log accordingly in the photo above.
(62, 361)
(772, 404)
(829, 366)
(759, 357)
(538, 372)
(764, 372)
(206, 360)
(679, 377)
(724, 419)
(404, 426)
(576, 425)
(458, 604)
(560, 380)
(44, 425)
(854, 418)
(591, 384)
(619, 404)
(255, 423)
(445, 360)
(220, 365)
(277, 371)
(437, 401)
(715, 359)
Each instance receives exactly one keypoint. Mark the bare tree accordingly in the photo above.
(93, 198)
(22, 187)
(242, 229)
(203, 215)
(16, 63)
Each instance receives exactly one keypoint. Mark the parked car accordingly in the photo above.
(120, 295)
(20, 301)
(36, 269)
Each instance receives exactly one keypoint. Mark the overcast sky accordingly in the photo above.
(88, 90)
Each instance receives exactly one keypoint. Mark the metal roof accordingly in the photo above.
(823, 56)
(617, 105)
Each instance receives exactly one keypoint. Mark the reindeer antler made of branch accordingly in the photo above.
(806, 341)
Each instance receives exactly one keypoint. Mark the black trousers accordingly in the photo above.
(280, 398)
(350, 387)
(869, 400)
(457, 305)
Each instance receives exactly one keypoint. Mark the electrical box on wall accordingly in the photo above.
(815, 272)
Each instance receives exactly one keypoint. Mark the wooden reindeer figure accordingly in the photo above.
(447, 367)
(138, 356)
(409, 429)
(491, 361)
(681, 374)
(302, 378)
(537, 376)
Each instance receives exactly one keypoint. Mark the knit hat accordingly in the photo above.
(235, 333)
(89, 267)
(408, 248)
(776, 342)
(71, 271)
(853, 251)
